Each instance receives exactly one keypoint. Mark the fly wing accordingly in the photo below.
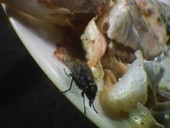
(74, 65)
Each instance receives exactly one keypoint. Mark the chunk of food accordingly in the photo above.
(135, 24)
(94, 44)
(141, 117)
(164, 84)
(117, 99)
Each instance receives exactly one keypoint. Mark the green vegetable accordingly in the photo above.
(141, 117)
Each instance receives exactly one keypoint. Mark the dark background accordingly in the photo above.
(28, 99)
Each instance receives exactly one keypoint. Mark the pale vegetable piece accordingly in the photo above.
(97, 71)
(164, 84)
(155, 72)
(94, 44)
(128, 91)
(141, 117)
(158, 73)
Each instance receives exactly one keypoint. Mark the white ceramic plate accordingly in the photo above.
(39, 44)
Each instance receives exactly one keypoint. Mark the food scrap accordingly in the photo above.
(124, 43)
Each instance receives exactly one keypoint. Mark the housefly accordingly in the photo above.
(82, 76)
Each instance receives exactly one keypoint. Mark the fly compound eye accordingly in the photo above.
(90, 92)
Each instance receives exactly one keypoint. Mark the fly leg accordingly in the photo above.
(84, 102)
(69, 75)
(94, 108)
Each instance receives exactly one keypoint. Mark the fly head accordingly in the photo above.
(90, 91)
